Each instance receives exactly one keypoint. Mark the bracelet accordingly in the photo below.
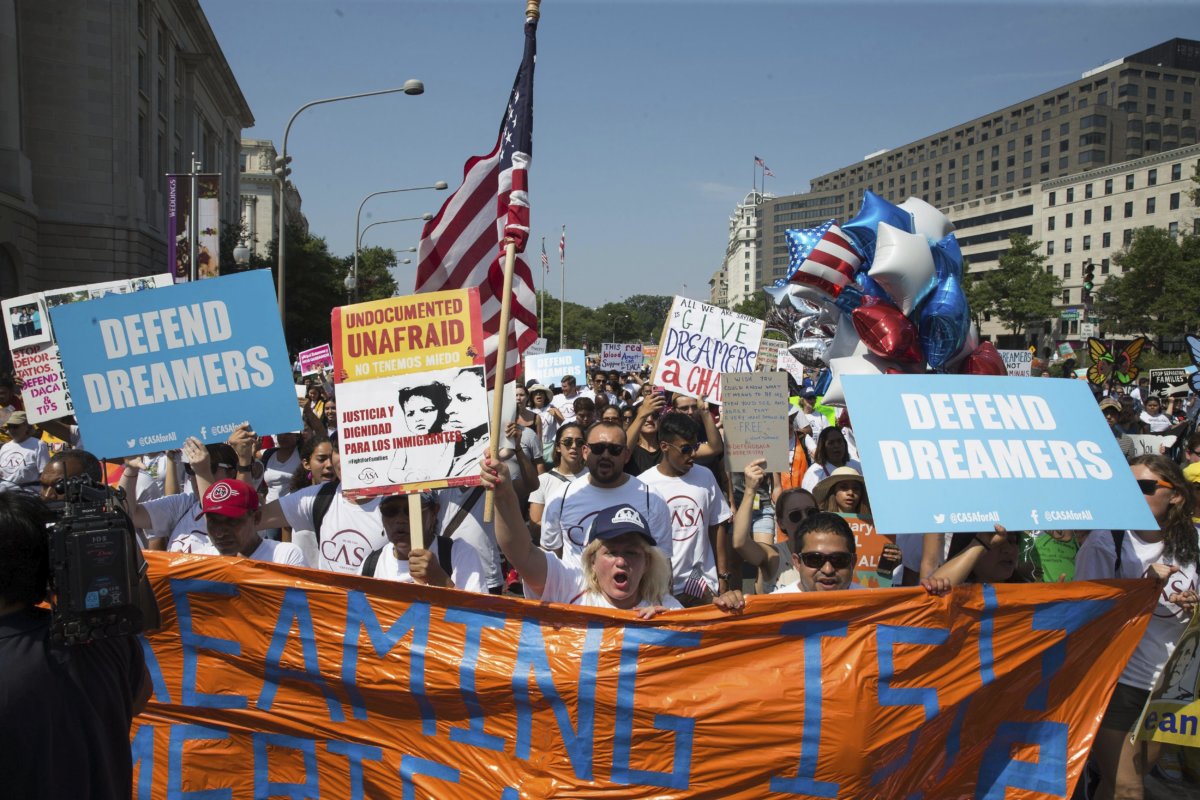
(982, 543)
(725, 576)
(245, 467)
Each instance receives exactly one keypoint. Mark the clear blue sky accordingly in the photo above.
(647, 115)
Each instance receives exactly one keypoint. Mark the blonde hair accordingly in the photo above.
(656, 580)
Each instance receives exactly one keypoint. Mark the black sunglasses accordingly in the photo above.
(572, 441)
(1149, 487)
(600, 448)
(815, 560)
(684, 449)
(797, 514)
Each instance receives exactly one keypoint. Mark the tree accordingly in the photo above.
(753, 306)
(375, 279)
(1019, 292)
(1158, 289)
(1194, 192)
(978, 292)
(314, 288)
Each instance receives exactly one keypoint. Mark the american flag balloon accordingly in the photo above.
(830, 265)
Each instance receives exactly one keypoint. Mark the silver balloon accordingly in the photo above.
(810, 351)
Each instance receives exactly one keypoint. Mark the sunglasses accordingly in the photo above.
(684, 449)
(815, 560)
(1149, 487)
(611, 448)
(798, 514)
(570, 441)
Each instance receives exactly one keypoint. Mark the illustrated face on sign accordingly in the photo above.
(422, 408)
(466, 395)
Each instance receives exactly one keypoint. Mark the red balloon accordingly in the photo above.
(886, 331)
(984, 360)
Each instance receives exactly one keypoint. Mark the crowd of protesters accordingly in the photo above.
(618, 495)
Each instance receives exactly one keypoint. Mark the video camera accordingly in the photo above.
(98, 581)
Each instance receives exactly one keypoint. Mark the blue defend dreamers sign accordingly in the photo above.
(149, 369)
(959, 453)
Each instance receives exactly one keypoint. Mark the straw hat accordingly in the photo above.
(821, 490)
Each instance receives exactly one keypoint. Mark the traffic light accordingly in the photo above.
(282, 170)
(1089, 276)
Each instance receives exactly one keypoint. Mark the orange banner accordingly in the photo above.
(280, 681)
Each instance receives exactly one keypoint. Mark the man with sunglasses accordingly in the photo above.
(566, 518)
(447, 562)
(699, 513)
(823, 553)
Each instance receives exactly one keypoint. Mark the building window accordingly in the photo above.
(1050, 224)
(1108, 186)
(1108, 213)
(1087, 217)
(1049, 248)
(1087, 192)
(1128, 210)
(1127, 237)
(1053, 195)
(1066, 245)
(1176, 171)
(1106, 240)
(1066, 270)
(1152, 178)
(1027, 172)
(141, 144)
(1045, 151)
(1064, 162)
(1070, 195)
(1087, 243)
(1070, 220)
(1104, 265)
(1173, 229)
(1066, 297)
(1128, 183)
(1150, 205)
(1174, 201)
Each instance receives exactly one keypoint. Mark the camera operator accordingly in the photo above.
(65, 712)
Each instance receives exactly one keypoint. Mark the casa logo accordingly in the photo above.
(346, 549)
(687, 518)
(221, 492)
(627, 514)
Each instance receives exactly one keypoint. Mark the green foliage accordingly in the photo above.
(1194, 192)
(314, 288)
(1158, 288)
(1019, 292)
(636, 319)
(753, 306)
(375, 278)
(978, 292)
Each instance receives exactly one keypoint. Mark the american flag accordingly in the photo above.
(545, 258)
(463, 246)
(562, 247)
(758, 162)
(831, 264)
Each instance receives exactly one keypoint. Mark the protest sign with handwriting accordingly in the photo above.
(699, 343)
(755, 419)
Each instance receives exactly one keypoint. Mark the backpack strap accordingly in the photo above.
(371, 562)
(445, 546)
(266, 456)
(322, 503)
(463, 510)
(1118, 538)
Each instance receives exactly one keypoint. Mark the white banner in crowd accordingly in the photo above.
(754, 418)
(699, 343)
(1018, 362)
(548, 369)
(537, 348)
(622, 357)
(768, 353)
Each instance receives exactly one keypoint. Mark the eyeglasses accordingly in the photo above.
(797, 514)
(684, 449)
(815, 560)
(612, 448)
(570, 441)
(1149, 487)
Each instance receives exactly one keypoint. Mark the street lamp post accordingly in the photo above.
(438, 185)
(352, 278)
(410, 87)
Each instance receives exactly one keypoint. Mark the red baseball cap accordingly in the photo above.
(229, 498)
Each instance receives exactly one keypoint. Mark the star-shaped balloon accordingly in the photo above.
(903, 267)
(862, 228)
(947, 257)
(801, 242)
(927, 220)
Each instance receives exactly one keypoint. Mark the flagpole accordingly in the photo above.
(542, 299)
(562, 294)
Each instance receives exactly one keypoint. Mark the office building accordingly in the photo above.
(259, 189)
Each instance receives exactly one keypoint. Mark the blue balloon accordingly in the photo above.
(850, 298)
(823, 380)
(861, 230)
(801, 242)
(947, 258)
(871, 288)
(944, 322)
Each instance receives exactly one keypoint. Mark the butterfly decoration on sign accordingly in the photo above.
(1193, 343)
(1121, 366)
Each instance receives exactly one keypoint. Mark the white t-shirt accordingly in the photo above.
(180, 518)
(473, 530)
(466, 569)
(796, 588)
(348, 533)
(551, 483)
(696, 503)
(819, 472)
(279, 553)
(549, 425)
(565, 406)
(1097, 559)
(568, 517)
(22, 463)
(1156, 422)
(151, 482)
(277, 475)
(565, 584)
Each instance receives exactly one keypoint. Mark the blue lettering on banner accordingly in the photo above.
(142, 751)
(356, 753)
(531, 656)
(161, 695)
(999, 771)
(181, 735)
(1063, 615)
(265, 787)
(191, 643)
(623, 734)
(887, 637)
(987, 629)
(806, 781)
(475, 622)
(415, 620)
(411, 766)
(295, 610)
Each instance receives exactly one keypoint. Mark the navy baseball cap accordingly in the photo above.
(616, 521)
